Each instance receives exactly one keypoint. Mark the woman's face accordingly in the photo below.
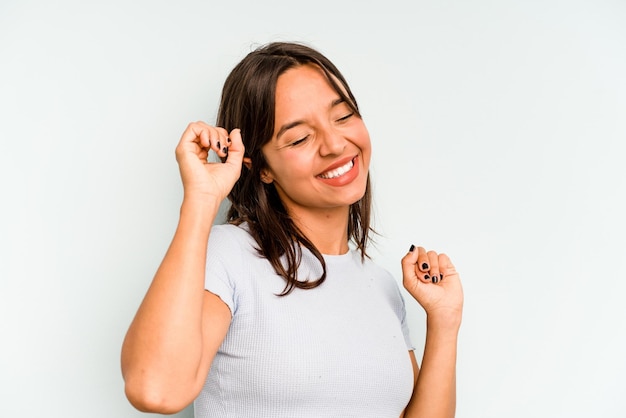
(319, 155)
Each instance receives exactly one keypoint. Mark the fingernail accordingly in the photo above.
(219, 145)
(228, 139)
(424, 266)
(435, 279)
(427, 277)
(412, 248)
(225, 150)
(441, 276)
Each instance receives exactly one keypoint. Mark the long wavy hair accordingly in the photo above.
(248, 103)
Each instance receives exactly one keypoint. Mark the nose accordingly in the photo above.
(332, 143)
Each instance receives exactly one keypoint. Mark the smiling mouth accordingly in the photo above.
(337, 172)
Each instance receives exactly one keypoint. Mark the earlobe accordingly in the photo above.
(266, 177)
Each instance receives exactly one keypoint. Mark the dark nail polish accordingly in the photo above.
(412, 248)
(435, 279)
(228, 139)
(218, 144)
(425, 266)
(441, 276)
(427, 277)
(225, 150)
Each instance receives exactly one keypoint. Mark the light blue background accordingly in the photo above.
(497, 130)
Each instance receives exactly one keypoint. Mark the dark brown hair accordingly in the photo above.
(248, 103)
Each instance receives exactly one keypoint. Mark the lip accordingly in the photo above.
(337, 164)
(345, 178)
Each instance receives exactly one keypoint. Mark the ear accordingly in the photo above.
(266, 176)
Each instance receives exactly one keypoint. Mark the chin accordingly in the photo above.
(357, 197)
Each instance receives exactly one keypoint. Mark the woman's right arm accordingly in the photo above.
(178, 328)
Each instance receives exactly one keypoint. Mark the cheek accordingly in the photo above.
(366, 146)
(290, 167)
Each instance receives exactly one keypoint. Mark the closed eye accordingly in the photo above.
(346, 117)
(299, 141)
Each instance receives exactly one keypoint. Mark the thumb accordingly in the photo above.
(410, 280)
(235, 150)
(409, 262)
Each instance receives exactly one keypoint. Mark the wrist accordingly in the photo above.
(199, 211)
(444, 321)
(200, 202)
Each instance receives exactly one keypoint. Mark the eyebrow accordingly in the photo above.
(295, 123)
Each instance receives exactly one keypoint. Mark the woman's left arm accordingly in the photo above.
(433, 281)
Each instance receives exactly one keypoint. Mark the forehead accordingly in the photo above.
(303, 83)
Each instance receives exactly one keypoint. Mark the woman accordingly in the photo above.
(274, 314)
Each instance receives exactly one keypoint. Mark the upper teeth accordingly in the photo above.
(338, 171)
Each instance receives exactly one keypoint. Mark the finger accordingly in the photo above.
(423, 266)
(410, 264)
(235, 148)
(219, 142)
(191, 141)
(409, 260)
(197, 132)
(409, 271)
(433, 261)
(422, 260)
(446, 267)
(203, 136)
(203, 154)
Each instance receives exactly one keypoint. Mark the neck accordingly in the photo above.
(326, 229)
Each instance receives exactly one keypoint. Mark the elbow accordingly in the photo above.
(145, 397)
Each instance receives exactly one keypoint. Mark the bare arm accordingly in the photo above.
(179, 326)
(434, 394)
